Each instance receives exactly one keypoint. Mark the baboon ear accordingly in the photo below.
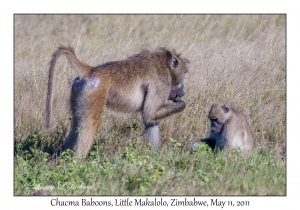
(225, 108)
(174, 62)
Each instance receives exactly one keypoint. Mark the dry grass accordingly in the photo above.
(235, 59)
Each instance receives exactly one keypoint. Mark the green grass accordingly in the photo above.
(137, 169)
(236, 59)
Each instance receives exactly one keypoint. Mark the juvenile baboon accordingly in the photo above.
(229, 130)
(150, 82)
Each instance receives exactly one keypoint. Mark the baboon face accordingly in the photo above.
(216, 126)
(218, 115)
(178, 71)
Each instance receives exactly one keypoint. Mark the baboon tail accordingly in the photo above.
(83, 68)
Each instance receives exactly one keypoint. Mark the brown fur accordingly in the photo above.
(229, 130)
(140, 83)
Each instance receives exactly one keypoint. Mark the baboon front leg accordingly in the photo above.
(154, 111)
(152, 132)
(168, 109)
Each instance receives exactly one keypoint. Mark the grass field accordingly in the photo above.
(236, 59)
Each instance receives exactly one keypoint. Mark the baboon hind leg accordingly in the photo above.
(76, 102)
(94, 105)
(87, 103)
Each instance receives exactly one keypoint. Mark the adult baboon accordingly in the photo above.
(229, 130)
(150, 82)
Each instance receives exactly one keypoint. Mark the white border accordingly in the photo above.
(8, 9)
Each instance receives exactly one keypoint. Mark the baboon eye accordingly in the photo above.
(174, 62)
(225, 108)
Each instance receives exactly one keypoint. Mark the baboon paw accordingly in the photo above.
(192, 147)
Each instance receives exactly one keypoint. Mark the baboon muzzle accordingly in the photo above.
(176, 92)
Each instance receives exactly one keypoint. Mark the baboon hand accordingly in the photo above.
(179, 104)
(178, 101)
(192, 147)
